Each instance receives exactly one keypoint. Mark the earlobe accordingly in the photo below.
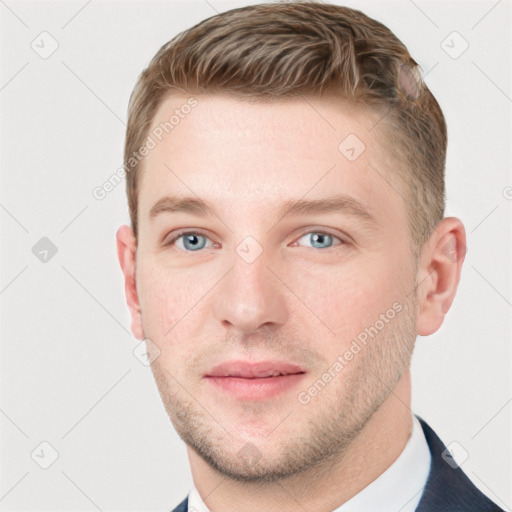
(439, 274)
(126, 253)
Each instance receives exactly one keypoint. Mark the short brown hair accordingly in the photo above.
(274, 50)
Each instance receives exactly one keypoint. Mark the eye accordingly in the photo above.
(192, 241)
(321, 239)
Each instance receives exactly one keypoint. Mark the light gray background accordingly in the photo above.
(68, 374)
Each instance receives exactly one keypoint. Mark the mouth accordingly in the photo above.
(255, 381)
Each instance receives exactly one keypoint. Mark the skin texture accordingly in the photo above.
(300, 300)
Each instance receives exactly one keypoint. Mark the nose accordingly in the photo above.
(251, 297)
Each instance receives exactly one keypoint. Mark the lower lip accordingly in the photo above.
(256, 389)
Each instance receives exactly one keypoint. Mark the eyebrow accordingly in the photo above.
(334, 204)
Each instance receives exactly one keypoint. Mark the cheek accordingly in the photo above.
(346, 299)
(166, 299)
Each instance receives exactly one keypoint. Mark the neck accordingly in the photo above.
(324, 487)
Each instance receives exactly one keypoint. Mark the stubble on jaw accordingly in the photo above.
(327, 433)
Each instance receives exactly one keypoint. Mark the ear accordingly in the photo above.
(126, 253)
(439, 271)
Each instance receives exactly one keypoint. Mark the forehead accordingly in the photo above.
(251, 154)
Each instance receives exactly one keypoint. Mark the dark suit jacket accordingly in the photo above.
(447, 489)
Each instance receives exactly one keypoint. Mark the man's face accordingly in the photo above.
(251, 285)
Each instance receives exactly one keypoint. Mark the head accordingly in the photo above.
(285, 180)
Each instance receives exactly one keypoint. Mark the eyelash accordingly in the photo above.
(183, 232)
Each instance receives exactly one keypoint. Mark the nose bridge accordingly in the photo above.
(250, 296)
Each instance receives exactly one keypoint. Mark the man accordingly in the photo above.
(285, 179)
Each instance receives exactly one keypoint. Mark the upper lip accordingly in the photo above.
(248, 370)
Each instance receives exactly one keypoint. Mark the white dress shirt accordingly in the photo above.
(398, 489)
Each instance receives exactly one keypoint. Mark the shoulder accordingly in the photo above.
(182, 507)
(448, 489)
